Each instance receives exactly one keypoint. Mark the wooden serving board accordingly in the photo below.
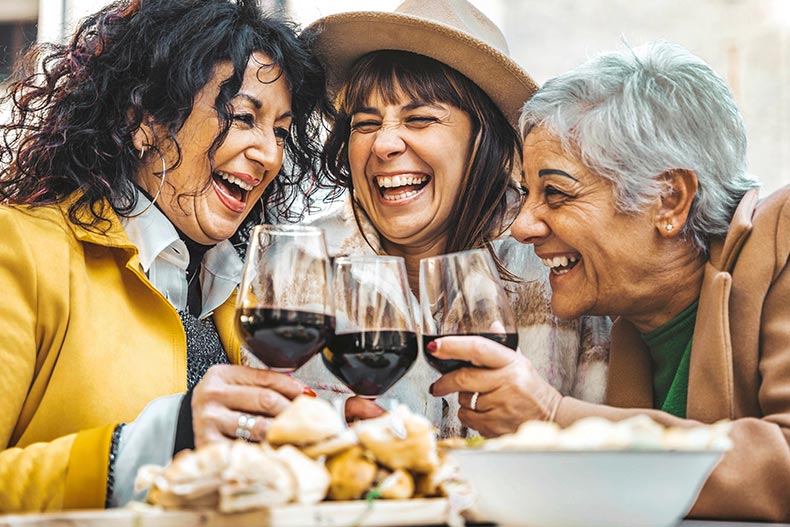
(379, 513)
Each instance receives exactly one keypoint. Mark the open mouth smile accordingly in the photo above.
(232, 190)
(560, 265)
(396, 188)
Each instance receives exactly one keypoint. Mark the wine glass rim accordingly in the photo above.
(367, 259)
(457, 254)
(289, 228)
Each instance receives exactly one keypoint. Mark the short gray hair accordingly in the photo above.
(635, 114)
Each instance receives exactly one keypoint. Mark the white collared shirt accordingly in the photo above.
(164, 258)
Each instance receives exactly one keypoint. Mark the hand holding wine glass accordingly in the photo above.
(375, 341)
(284, 310)
(461, 294)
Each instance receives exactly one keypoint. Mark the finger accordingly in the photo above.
(253, 400)
(497, 327)
(359, 408)
(487, 424)
(465, 401)
(468, 380)
(218, 423)
(282, 383)
(244, 426)
(480, 351)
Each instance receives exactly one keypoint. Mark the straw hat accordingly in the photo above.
(451, 31)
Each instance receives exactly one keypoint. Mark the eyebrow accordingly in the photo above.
(258, 104)
(255, 101)
(418, 104)
(367, 109)
(555, 172)
(411, 106)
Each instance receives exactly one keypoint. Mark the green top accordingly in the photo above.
(670, 353)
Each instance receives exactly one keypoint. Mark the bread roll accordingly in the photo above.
(306, 421)
(400, 439)
(352, 474)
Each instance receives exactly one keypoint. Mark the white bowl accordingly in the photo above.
(585, 488)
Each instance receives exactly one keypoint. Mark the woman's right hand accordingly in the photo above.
(228, 391)
(509, 389)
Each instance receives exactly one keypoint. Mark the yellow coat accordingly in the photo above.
(85, 343)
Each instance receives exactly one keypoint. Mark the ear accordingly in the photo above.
(675, 201)
(144, 137)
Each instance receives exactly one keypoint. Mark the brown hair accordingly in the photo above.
(481, 214)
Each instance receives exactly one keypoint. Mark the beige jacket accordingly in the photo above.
(740, 365)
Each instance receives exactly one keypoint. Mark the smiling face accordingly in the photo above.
(209, 205)
(408, 160)
(602, 262)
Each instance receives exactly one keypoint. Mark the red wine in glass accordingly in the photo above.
(461, 294)
(375, 341)
(370, 362)
(284, 339)
(284, 312)
(447, 365)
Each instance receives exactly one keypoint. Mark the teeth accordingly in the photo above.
(399, 181)
(402, 195)
(559, 261)
(235, 180)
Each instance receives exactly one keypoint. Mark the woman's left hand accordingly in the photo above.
(359, 408)
(510, 390)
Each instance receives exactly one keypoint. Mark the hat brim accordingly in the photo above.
(339, 40)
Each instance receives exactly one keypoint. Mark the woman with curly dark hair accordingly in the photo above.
(133, 156)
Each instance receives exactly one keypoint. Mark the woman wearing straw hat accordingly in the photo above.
(425, 142)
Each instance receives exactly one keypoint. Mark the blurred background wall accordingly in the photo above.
(746, 41)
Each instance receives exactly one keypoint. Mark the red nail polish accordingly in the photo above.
(432, 346)
(309, 392)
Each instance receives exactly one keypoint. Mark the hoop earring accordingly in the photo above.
(161, 183)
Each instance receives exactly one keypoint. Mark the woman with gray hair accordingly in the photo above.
(638, 201)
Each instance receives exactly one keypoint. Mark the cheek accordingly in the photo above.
(358, 178)
(454, 167)
(261, 189)
(358, 151)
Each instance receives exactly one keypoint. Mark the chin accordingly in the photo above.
(564, 311)
(217, 231)
(221, 236)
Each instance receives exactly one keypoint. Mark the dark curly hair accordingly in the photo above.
(75, 106)
(482, 212)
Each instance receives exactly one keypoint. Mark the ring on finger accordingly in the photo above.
(245, 426)
(473, 402)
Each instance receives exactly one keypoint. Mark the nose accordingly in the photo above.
(530, 226)
(388, 142)
(265, 150)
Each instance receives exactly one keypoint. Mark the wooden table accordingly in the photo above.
(294, 516)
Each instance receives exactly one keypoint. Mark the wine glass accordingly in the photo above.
(284, 311)
(375, 340)
(461, 294)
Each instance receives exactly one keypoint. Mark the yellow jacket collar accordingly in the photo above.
(109, 234)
